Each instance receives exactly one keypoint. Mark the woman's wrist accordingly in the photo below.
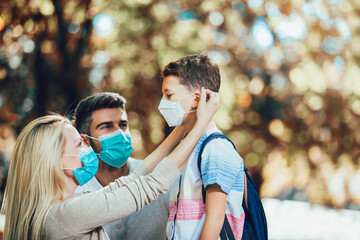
(200, 128)
(179, 131)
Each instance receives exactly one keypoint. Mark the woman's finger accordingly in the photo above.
(213, 96)
(203, 96)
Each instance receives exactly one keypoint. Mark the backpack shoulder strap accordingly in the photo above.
(226, 232)
(255, 218)
(206, 141)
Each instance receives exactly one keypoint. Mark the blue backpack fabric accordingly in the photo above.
(255, 226)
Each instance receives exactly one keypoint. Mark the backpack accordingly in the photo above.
(255, 226)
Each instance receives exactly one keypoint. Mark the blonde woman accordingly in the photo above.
(46, 168)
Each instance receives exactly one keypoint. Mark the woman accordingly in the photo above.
(38, 200)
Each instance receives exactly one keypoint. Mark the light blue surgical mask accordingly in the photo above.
(91, 165)
(116, 147)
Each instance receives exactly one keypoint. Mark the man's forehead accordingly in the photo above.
(109, 115)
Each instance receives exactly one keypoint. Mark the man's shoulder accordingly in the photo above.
(91, 186)
(133, 163)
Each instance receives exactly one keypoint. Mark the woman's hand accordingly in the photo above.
(208, 104)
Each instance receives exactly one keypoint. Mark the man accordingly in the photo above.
(100, 115)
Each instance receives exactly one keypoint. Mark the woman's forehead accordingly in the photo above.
(70, 132)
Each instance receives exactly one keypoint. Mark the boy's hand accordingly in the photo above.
(207, 108)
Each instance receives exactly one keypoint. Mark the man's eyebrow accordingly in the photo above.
(123, 121)
(103, 123)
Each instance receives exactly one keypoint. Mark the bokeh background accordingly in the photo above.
(290, 93)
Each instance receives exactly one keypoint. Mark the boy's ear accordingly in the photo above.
(196, 99)
(85, 139)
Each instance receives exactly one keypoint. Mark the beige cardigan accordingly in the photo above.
(82, 217)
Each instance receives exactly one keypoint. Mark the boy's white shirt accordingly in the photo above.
(190, 210)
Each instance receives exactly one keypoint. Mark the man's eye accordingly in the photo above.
(80, 143)
(105, 127)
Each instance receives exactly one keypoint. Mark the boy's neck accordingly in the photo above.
(211, 125)
(190, 124)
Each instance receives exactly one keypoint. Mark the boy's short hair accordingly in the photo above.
(195, 71)
(85, 108)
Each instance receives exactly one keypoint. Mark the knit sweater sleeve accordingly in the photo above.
(81, 215)
(141, 170)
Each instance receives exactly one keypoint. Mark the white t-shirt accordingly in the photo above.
(148, 223)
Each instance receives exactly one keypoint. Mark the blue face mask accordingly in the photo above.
(91, 164)
(116, 148)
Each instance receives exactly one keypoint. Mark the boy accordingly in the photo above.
(222, 168)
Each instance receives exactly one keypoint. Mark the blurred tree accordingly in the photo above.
(40, 58)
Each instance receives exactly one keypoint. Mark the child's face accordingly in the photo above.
(172, 90)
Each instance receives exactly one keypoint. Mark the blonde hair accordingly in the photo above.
(35, 180)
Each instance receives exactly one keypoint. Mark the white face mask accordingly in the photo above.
(173, 111)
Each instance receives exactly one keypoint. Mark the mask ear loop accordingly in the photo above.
(72, 155)
(176, 101)
(191, 111)
(166, 100)
(185, 97)
(193, 99)
(92, 137)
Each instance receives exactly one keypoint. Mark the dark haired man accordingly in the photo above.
(222, 169)
(104, 114)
